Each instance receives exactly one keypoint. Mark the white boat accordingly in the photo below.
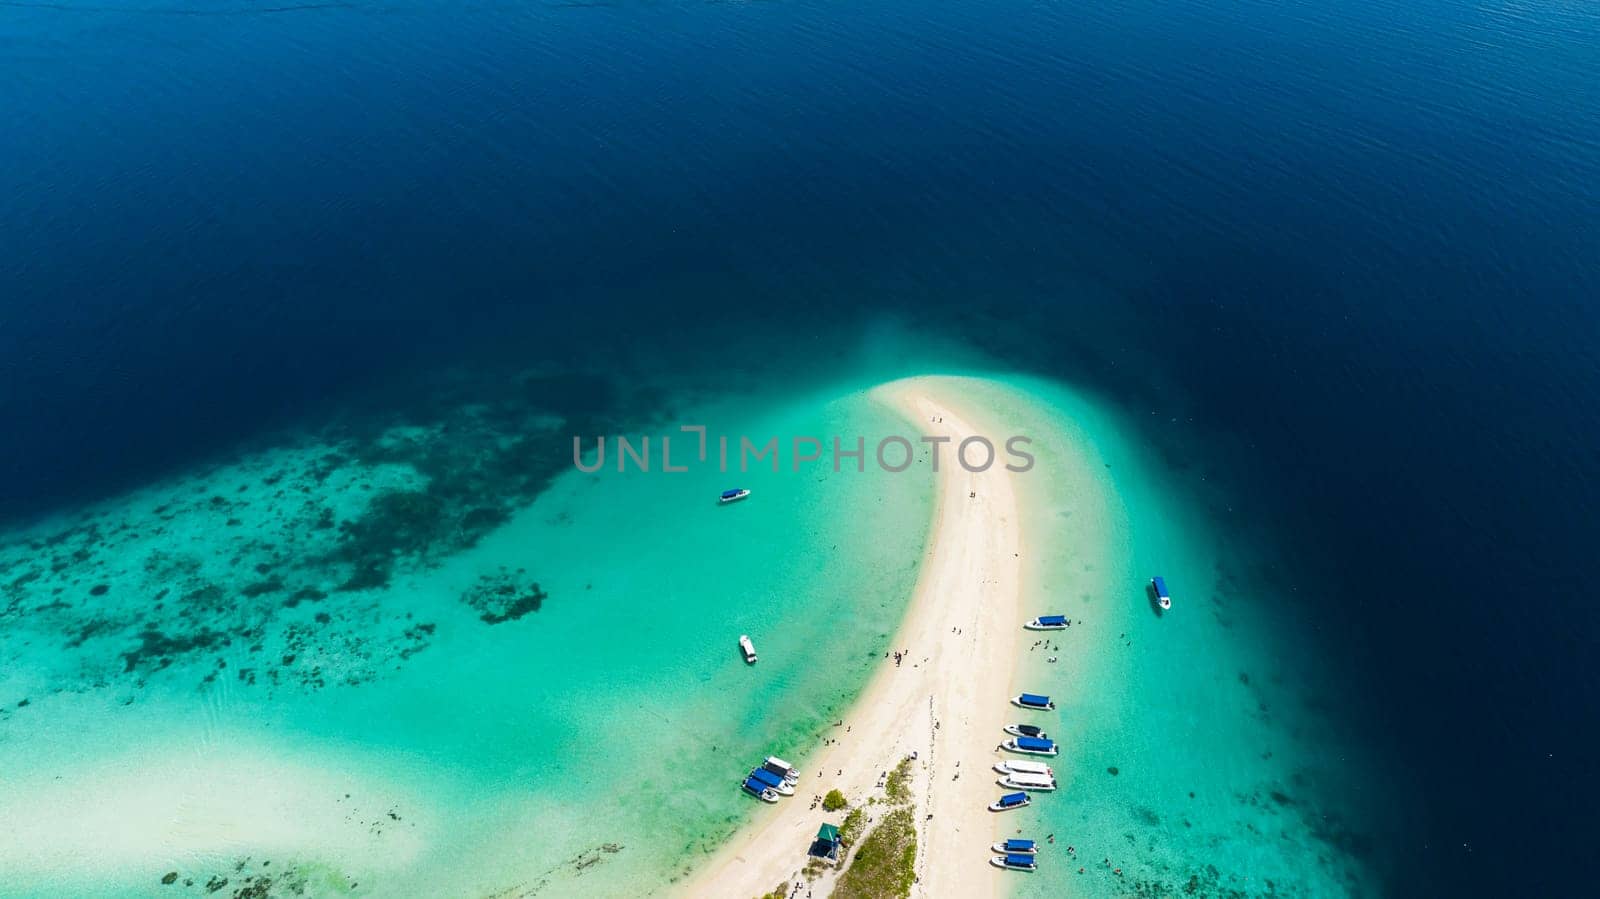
(1049, 623)
(774, 782)
(748, 648)
(759, 790)
(1023, 766)
(1015, 847)
(1164, 598)
(1025, 730)
(1033, 701)
(781, 768)
(1010, 801)
(733, 496)
(1015, 862)
(1033, 783)
(1031, 746)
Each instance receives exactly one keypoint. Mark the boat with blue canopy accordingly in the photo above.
(760, 790)
(1009, 801)
(733, 496)
(1159, 584)
(1015, 847)
(772, 781)
(1033, 701)
(1016, 862)
(1049, 623)
(1025, 730)
(1031, 746)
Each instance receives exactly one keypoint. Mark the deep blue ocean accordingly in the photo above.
(1353, 248)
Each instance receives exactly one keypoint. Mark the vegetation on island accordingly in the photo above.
(884, 865)
(780, 893)
(834, 801)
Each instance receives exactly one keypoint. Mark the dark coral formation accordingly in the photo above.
(274, 568)
(504, 596)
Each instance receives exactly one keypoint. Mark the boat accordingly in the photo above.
(1015, 847)
(760, 790)
(1033, 701)
(1031, 746)
(1016, 862)
(1023, 766)
(748, 648)
(1033, 783)
(1049, 623)
(1025, 730)
(773, 782)
(733, 496)
(781, 768)
(1162, 596)
(1009, 801)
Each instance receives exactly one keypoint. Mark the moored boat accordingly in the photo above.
(1025, 730)
(1033, 701)
(760, 790)
(773, 782)
(781, 768)
(1164, 598)
(748, 648)
(1049, 623)
(1023, 766)
(1015, 847)
(1009, 801)
(733, 496)
(1033, 783)
(1016, 862)
(1031, 746)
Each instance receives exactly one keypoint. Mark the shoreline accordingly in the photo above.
(946, 702)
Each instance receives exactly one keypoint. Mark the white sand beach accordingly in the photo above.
(946, 702)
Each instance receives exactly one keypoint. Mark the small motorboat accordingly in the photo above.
(733, 496)
(1015, 847)
(1033, 783)
(1163, 598)
(1049, 623)
(781, 768)
(1025, 730)
(1023, 766)
(1033, 701)
(1031, 746)
(760, 790)
(748, 648)
(1009, 801)
(1016, 862)
(771, 781)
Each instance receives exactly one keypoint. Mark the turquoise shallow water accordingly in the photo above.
(398, 743)
(555, 706)
(1201, 751)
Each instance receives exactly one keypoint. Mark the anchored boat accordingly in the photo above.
(1033, 783)
(1015, 847)
(734, 495)
(781, 768)
(1025, 730)
(1033, 701)
(1049, 623)
(1162, 596)
(1023, 766)
(760, 790)
(1031, 746)
(1015, 862)
(748, 648)
(1009, 801)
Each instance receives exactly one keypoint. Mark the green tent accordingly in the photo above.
(828, 833)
